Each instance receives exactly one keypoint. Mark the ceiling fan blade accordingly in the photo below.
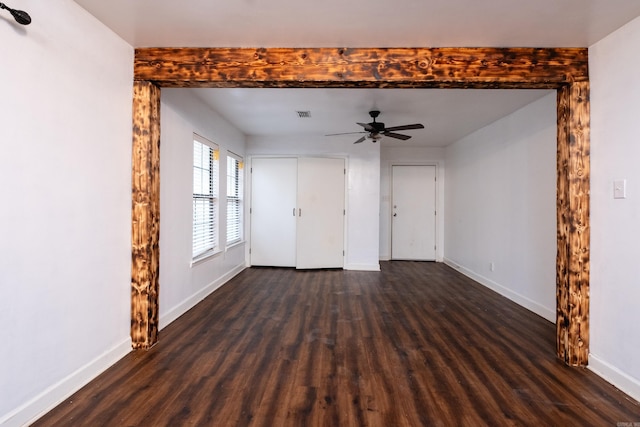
(367, 127)
(397, 135)
(360, 140)
(405, 127)
(343, 133)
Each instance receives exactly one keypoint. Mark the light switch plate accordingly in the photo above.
(620, 189)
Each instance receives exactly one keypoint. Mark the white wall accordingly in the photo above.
(182, 285)
(363, 187)
(65, 205)
(500, 204)
(409, 155)
(615, 151)
(65, 210)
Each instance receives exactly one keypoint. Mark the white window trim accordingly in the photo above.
(240, 199)
(205, 256)
(216, 197)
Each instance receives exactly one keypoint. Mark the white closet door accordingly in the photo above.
(320, 240)
(413, 228)
(273, 211)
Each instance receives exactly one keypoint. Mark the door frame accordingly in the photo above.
(249, 212)
(562, 69)
(343, 163)
(439, 215)
(249, 189)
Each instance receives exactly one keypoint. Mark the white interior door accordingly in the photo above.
(320, 241)
(413, 221)
(273, 211)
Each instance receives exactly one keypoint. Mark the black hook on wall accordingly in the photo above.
(20, 16)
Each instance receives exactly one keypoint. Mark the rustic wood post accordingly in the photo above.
(572, 266)
(145, 215)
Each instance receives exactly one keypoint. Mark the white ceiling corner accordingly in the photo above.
(447, 114)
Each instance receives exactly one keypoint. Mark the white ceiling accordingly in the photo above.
(447, 114)
(363, 23)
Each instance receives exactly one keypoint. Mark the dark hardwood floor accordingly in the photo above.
(415, 345)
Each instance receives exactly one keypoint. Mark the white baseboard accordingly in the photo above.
(615, 376)
(362, 267)
(388, 258)
(59, 392)
(194, 299)
(527, 303)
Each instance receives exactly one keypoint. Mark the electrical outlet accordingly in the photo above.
(492, 266)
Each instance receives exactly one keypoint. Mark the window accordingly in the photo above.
(205, 196)
(234, 198)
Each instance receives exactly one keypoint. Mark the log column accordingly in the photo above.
(145, 215)
(572, 271)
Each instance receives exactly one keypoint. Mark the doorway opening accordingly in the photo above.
(563, 69)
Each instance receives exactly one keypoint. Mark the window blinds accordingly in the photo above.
(205, 196)
(234, 198)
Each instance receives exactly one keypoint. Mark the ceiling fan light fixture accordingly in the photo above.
(376, 130)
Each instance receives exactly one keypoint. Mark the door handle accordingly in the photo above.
(294, 211)
(300, 212)
(395, 214)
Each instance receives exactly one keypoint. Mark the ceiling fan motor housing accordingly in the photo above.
(378, 127)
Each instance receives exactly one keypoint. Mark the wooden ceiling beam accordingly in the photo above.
(478, 68)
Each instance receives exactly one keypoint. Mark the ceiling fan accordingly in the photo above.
(377, 130)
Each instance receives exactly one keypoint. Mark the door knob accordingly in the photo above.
(395, 214)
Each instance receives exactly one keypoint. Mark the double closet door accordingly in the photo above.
(297, 212)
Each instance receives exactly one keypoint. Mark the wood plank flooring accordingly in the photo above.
(417, 344)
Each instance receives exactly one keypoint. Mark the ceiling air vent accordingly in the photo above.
(304, 114)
